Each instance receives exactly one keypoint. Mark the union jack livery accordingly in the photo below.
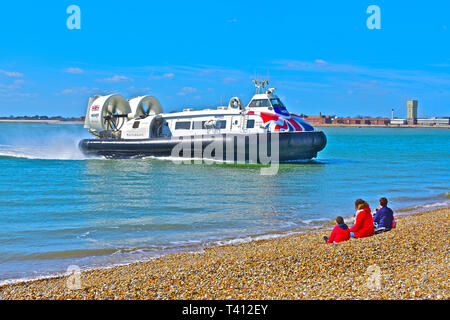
(281, 123)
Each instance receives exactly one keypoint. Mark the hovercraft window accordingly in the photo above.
(260, 103)
(198, 125)
(136, 124)
(222, 124)
(250, 124)
(183, 125)
(278, 104)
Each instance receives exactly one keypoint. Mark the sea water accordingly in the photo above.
(58, 208)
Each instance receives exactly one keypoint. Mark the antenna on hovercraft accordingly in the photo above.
(260, 85)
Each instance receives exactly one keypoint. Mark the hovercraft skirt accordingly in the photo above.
(292, 146)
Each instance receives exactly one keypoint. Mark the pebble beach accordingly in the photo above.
(410, 262)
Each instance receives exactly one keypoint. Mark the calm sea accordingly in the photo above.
(59, 209)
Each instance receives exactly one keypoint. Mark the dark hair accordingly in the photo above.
(358, 202)
(340, 220)
(383, 202)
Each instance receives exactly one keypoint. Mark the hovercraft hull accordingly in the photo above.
(291, 146)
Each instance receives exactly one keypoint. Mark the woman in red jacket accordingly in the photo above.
(363, 226)
(340, 232)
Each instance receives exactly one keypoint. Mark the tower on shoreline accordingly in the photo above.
(411, 107)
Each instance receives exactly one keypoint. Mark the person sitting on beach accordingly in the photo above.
(363, 226)
(384, 217)
(340, 232)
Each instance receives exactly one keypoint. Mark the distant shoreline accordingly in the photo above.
(315, 125)
(379, 126)
(40, 121)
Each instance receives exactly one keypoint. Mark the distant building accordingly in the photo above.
(398, 121)
(365, 120)
(412, 119)
(320, 119)
(434, 121)
(347, 120)
(377, 121)
(411, 106)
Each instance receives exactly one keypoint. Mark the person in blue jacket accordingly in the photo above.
(384, 216)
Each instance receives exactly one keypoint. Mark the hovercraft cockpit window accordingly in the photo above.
(278, 104)
(260, 103)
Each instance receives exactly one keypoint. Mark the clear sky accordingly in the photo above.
(320, 55)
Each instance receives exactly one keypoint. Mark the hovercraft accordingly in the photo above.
(139, 128)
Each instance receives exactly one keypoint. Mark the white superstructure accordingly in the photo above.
(143, 118)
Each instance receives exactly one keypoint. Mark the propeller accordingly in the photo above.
(113, 121)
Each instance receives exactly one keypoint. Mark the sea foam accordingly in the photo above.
(56, 143)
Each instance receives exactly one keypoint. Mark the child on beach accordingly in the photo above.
(384, 217)
(340, 232)
(363, 226)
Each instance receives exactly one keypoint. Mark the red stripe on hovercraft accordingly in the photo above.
(278, 127)
(268, 117)
(295, 124)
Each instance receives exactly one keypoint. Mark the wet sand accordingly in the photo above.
(410, 262)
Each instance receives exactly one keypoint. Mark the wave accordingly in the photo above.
(415, 198)
(36, 156)
(445, 195)
(37, 141)
(56, 148)
(335, 161)
(260, 237)
(29, 279)
(424, 207)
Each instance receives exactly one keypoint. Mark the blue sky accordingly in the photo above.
(320, 55)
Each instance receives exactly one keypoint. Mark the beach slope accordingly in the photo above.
(410, 262)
